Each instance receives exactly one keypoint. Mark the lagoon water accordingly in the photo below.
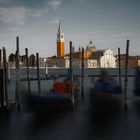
(80, 123)
(46, 85)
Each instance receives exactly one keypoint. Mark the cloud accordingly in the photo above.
(10, 3)
(15, 15)
(54, 21)
(55, 4)
(18, 15)
(38, 13)
(13, 29)
(5, 1)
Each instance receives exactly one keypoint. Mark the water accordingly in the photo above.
(80, 123)
(46, 85)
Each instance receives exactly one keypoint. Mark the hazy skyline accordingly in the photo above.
(109, 23)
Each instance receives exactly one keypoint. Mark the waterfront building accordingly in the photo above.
(105, 58)
(55, 62)
(32, 60)
(92, 58)
(88, 63)
(90, 48)
(133, 61)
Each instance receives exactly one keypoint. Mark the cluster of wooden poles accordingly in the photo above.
(126, 75)
(4, 100)
(4, 77)
(28, 74)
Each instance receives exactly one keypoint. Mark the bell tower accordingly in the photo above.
(60, 41)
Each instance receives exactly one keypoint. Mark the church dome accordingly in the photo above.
(90, 46)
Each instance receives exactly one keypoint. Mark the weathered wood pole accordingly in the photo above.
(38, 73)
(46, 67)
(8, 71)
(82, 75)
(71, 79)
(126, 66)
(70, 56)
(1, 89)
(28, 73)
(119, 61)
(1, 83)
(5, 77)
(17, 94)
(0, 58)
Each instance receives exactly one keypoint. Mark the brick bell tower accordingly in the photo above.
(60, 41)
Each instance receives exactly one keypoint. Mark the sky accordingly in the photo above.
(108, 23)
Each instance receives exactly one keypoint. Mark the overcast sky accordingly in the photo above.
(109, 23)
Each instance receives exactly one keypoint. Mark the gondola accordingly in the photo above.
(106, 92)
(48, 102)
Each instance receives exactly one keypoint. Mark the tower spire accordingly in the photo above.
(59, 28)
(60, 41)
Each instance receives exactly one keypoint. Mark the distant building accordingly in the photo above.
(42, 62)
(32, 60)
(22, 60)
(133, 61)
(105, 58)
(12, 60)
(92, 58)
(12, 57)
(88, 63)
(90, 48)
(55, 62)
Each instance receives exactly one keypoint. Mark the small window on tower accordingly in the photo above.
(61, 36)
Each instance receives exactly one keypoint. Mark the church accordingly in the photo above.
(92, 58)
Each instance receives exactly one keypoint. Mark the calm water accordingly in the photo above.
(46, 85)
(80, 123)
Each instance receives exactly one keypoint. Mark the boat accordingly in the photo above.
(106, 91)
(137, 83)
(59, 98)
(48, 102)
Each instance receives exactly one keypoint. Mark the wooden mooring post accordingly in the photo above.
(126, 66)
(5, 77)
(1, 89)
(70, 56)
(71, 72)
(119, 60)
(46, 67)
(28, 73)
(1, 83)
(82, 75)
(38, 73)
(0, 58)
(17, 94)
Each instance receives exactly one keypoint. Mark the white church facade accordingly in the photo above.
(108, 60)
